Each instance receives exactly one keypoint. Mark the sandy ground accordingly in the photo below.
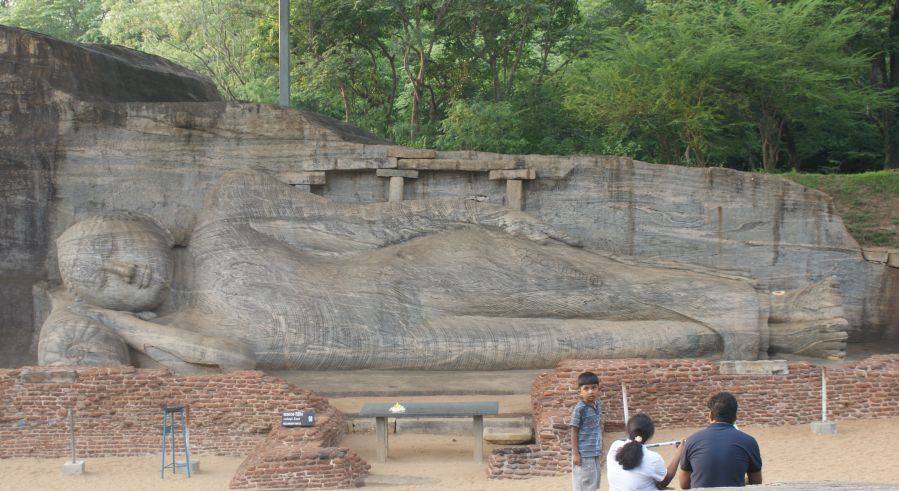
(861, 451)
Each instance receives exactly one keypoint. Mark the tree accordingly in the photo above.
(213, 37)
(880, 35)
(687, 79)
(72, 20)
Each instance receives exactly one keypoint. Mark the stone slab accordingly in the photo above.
(893, 260)
(309, 178)
(61, 376)
(759, 367)
(509, 436)
(526, 174)
(409, 174)
(73, 468)
(457, 165)
(434, 409)
(824, 427)
(365, 163)
(181, 466)
(410, 153)
(876, 254)
(451, 426)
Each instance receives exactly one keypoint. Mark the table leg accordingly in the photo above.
(478, 438)
(381, 430)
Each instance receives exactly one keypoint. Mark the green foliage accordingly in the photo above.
(213, 37)
(690, 81)
(800, 84)
(72, 20)
(482, 125)
(867, 202)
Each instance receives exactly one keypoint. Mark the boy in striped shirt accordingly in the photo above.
(586, 435)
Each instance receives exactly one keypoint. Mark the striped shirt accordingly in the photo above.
(588, 420)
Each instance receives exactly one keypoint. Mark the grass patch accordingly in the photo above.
(868, 203)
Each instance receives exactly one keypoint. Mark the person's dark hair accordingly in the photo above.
(639, 427)
(723, 406)
(587, 378)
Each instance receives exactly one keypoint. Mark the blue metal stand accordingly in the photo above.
(168, 427)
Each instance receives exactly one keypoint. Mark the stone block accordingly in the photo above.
(456, 165)
(876, 254)
(824, 427)
(514, 194)
(459, 426)
(73, 468)
(893, 260)
(308, 178)
(318, 164)
(410, 153)
(181, 467)
(758, 367)
(362, 164)
(509, 436)
(513, 174)
(48, 376)
(410, 174)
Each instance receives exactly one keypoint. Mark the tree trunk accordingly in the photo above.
(890, 80)
(346, 102)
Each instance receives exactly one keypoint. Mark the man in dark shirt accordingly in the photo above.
(720, 455)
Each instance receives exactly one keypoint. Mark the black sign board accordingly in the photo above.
(298, 418)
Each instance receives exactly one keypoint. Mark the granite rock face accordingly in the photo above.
(40, 79)
(138, 134)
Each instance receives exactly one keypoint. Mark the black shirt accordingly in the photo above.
(720, 456)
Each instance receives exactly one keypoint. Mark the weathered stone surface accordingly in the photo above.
(38, 77)
(509, 436)
(410, 174)
(55, 376)
(307, 178)
(410, 153)
(824, 427)
(876, 254)
(364, 164)
(314, 284)
(69, 153)
(513, 174)
(514, 194)
(452, 164)
(893, 260)
(758, 367)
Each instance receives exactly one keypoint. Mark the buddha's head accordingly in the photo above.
(121, 262)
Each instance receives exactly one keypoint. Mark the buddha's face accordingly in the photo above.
(116, 263)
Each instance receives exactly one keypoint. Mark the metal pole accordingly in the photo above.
(283, 53)
(823, 396)
(72, 433)
(624, 403)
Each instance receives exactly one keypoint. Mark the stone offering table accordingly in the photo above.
(475, 410)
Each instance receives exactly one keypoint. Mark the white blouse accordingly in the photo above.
(641, 478)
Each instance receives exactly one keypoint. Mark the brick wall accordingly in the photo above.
(675, 393)
(118, 411)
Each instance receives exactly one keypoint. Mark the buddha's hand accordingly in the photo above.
(98, 314)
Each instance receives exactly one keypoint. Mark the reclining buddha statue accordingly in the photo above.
(278, 278)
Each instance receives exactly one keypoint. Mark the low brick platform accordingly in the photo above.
(300, 458)
(675, 393)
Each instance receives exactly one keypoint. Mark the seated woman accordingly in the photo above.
(281, 279)
(631, 467)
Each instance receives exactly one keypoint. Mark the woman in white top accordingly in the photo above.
(633, 468)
